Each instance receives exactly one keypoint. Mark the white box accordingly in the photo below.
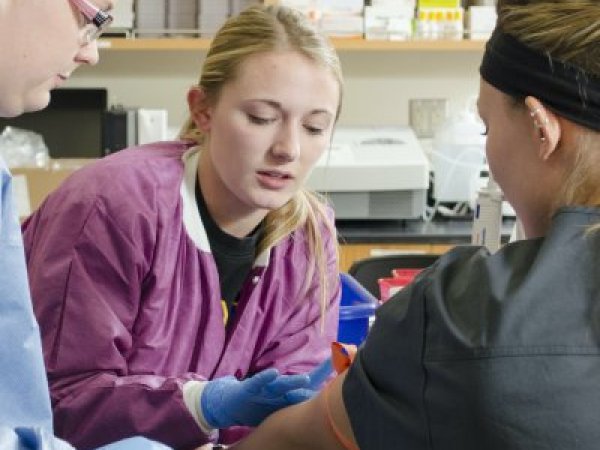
(481, 21)
(388, 23)
(122, 15)
(150, 17)
(394, 4)
(152, 125)
(341, 6)
(342, 25)
(182, 15)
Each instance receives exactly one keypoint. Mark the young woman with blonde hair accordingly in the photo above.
(186, 288)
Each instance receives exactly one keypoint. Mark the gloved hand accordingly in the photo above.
(228, 401)
(317, 377)
(341, 358)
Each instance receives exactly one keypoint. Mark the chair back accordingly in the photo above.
(367, 271)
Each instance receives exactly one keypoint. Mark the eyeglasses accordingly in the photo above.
(97, 21)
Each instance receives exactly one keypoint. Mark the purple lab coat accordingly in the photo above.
(127, 296)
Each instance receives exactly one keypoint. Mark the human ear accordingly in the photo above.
(200, 111)
(546, 126)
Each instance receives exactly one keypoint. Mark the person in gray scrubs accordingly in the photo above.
(495, 351)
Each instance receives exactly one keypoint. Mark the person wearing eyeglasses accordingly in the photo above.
(41, 43)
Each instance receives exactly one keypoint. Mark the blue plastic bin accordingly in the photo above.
(357, 306)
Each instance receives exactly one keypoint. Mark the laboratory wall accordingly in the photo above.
(378, 86)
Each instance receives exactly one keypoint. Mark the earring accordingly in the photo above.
(544, 118)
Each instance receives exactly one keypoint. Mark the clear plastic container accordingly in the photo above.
(458, 158)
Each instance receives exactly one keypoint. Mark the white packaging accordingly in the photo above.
(384, 22)
(182, 15)
(394, 3)
(301, 5)
(122, 15)
(151, 125)
(150, 17)
(342, 25)
(341, 6)
(481, 21)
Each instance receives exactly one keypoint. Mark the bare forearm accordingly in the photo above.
(304, 426)
(277, 432)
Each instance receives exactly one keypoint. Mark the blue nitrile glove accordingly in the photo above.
(228, 401)
(319, 374)
(317, 377)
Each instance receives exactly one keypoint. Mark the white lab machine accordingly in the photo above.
(123, 17)
(373, 173)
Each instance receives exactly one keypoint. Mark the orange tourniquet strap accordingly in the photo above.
(346, 443)
(342, 356)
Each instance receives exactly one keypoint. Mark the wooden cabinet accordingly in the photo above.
(354, 252)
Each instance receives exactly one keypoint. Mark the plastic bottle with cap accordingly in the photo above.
(456, 25)
(423, 26)
(437, 24)
(487, 217)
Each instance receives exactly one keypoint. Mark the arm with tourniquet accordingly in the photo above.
(319, 423)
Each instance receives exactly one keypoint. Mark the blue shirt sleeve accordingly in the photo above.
(24, 398)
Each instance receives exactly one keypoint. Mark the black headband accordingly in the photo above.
(519, 71)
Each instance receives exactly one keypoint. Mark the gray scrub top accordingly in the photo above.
(488, 351)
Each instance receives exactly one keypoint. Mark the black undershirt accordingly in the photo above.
(234, 257)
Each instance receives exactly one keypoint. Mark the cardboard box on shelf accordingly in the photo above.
(31, 185)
